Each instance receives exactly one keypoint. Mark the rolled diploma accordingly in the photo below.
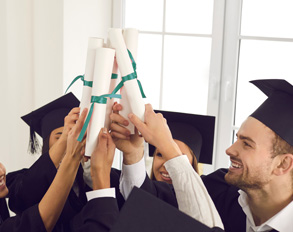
(110, 102)
(124, 63)
(102, 75)
(93, 44)
(131, 39)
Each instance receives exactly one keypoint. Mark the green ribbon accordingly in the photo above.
(85, 82)
(95, 99)
(114, 76)
(129, 77)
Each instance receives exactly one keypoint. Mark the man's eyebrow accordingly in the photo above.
(58, 133)
(242, 137)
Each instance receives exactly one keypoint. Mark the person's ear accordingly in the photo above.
(285, 164)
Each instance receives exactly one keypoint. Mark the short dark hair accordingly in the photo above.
(280, 146)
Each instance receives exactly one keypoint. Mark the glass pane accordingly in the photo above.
(271, 18)
(189, 16)
(149, 56)
(145, 15)
(186, 74)
(260, 60)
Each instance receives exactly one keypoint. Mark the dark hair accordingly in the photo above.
(280, 146)
(45, 147)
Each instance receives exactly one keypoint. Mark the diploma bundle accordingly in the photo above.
(102, 81)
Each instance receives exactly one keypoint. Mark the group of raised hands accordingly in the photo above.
(153, 130)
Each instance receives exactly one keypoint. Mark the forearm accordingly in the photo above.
(53, 201)
(57, 151)
(192, 196)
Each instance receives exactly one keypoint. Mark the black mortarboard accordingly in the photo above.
(49, 117)
(196, 131)
(144, 212)
(276, 112)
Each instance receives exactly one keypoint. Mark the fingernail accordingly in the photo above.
(105, 130)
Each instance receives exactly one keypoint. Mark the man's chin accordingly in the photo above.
(230, 179)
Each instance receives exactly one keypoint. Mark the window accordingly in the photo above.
(198, 56)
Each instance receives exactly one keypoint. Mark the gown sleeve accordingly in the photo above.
(29, 220)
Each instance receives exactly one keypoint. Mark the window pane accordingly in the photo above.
(271, 18)
(260, 60)
(189, 16)
(146, 15)
(186, 74)
(149, 66)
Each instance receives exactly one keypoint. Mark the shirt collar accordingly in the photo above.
(281, 221)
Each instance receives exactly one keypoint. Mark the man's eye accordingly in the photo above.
(246, 144)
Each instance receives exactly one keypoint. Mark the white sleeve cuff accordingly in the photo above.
(132, 175)
(108, 192)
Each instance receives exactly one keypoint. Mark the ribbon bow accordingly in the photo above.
(95, 99)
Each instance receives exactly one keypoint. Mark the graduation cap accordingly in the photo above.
(196, 131)
(276, 112)
(49, 117)
(144, 212)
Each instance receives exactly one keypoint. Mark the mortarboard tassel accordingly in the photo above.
(34, 144)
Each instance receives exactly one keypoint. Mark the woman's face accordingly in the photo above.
(55, 135)
(3, 187)
(159, 170)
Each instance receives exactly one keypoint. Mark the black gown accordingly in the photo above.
(28, 186)
(224, 196)
(29, 220)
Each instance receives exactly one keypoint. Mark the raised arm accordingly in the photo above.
(53, 201)
(191, 194)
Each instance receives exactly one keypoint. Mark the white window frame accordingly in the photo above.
(223, 72)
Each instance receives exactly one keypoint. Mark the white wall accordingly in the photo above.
(42, 48)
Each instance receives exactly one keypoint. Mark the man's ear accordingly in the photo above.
(285, 164)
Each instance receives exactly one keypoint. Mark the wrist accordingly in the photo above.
(132, 157)
(101, 181)
(170, 151)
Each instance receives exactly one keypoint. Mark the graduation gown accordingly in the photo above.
(28, 186)
(98, 214)
(29, 220)
(225, 198)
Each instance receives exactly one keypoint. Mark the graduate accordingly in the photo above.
(52, 122)
(194, 134)
(255, 193)
(156, 132)
(43, 216)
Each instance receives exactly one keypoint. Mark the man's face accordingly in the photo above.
(251, 159)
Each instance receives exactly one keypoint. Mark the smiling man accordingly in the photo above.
(256, 192)
(260, 194)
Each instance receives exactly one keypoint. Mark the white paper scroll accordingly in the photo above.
(131, 39)
(124, 63)
(102, 76)
(93, 44)
(110, 102)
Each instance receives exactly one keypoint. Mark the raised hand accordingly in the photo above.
(155, 131)
(101, 160)
(70, 121)
(58, 149)
(74, 147)
(131, 145)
